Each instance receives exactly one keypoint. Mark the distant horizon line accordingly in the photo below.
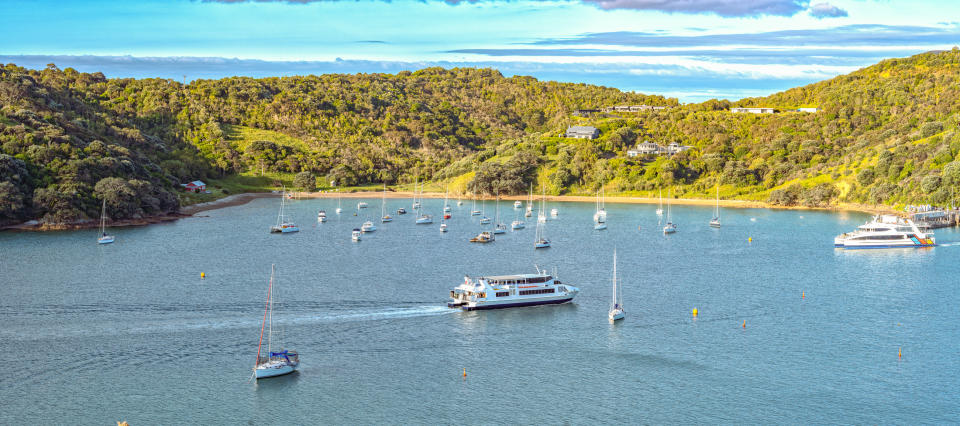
(185, 69)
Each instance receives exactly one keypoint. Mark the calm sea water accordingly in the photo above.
(94, 334)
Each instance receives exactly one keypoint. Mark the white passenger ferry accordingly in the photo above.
(508, 291)
(885, 232)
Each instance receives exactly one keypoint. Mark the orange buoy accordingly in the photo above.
(464, 372)
(803, 295)
(900, 352)
(744, 323)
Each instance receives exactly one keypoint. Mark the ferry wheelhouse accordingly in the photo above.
(508, 291)
(885, 232)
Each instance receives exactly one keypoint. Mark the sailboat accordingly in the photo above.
(446, 209)
(499, 228)
(669, 228)
(281, 361)
(484, 220)
(616, 305)
(529, 203)
(600, 217)
(422, 219)
(474, 212)
(416, 202)
(715, 222)
(385, 217)
(339, 199)
(660, 209)
(104, 238)
(540, 240)
(283, 225)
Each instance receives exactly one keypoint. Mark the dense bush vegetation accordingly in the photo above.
(885, 134)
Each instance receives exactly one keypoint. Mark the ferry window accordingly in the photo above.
(503, 293)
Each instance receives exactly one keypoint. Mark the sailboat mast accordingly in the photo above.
(266, 308)
(614, 279)
(270, 323)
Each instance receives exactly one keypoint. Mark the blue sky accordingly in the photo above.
(690, 49)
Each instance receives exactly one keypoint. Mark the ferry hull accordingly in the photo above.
(485, 307)
(884, 246)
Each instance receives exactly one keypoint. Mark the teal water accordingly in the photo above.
(95, 334)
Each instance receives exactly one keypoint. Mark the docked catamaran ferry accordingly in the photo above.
(885, 232)
(507, 291)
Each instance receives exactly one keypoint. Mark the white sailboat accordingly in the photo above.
(715, 222)
(660, 209)
(281, 361)
(104, 238)
(339, 200)
(499, 228)
(446, 208)
(670, 227)
(616, 305)
(416, 202)
(600, 217)
(384, 216)
(422, 218)
(474, 211)
(484, 220)
(540, 240)
(529, 203)
(284, 225)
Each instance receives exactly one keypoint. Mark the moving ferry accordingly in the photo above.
(885, 232)
(507, 291)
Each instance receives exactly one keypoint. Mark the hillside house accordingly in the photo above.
(582, 132)
(754, 110)
(196, 186)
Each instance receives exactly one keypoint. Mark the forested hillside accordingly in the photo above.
(886, 134)
(70, 140)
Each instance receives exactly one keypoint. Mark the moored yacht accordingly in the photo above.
(507, 291)
(322, 216)
(885, 232)
(368, 226)
(517, 204)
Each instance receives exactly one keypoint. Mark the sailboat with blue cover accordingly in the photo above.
(276, 362)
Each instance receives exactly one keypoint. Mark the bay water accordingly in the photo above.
(790, 330)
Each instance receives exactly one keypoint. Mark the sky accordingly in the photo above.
(693, 50)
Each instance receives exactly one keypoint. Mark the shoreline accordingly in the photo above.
(246, 197)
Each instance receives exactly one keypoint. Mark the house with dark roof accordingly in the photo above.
(582, 132)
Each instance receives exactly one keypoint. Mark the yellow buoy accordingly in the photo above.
(749, 239)
(803, 295)
(202, 275)
(695, 312)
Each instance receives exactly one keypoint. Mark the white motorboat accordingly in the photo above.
(554, 212)
(321, 216)
(443, 226)
(362, 205)
(368, 226)
(507, 291)
(104, 238)
(276, 362)
(355, 234)
(499, 227)
(885, 232)
(517, 224)
(424, 219)
(284, 225)
(517, 204)
(616, 305)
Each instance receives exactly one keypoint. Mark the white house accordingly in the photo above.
(582, 132)
(675, 148)
(648, 148)
(808, 109)
(754, 110)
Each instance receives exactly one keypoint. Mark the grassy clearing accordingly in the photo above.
(242, 136)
